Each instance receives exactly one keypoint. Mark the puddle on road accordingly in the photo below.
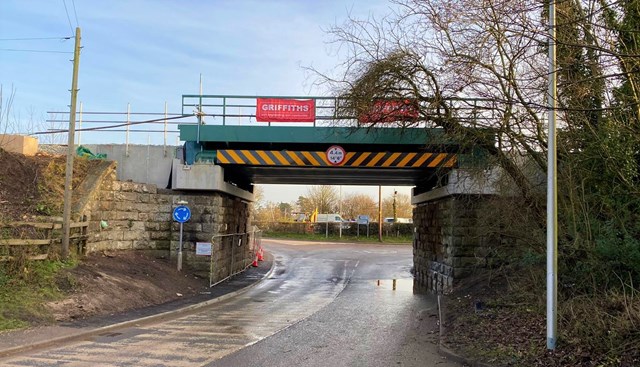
(401, 285)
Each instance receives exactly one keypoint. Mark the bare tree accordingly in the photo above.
(6, 124)
(358, 204)
(323, 197)
(404, 209)
(475, 70)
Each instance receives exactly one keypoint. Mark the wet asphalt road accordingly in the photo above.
(323, 305)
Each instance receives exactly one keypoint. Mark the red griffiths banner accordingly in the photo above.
(285, 110)
(389, 111)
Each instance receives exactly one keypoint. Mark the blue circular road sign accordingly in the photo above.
(181, 214)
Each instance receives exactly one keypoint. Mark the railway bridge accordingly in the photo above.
(240, 141)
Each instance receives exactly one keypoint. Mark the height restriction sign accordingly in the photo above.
(335, 155)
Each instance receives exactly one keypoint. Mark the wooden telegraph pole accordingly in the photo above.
(380, 213)
(66, 215)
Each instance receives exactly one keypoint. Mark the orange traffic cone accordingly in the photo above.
(255, 262)
(260, 254)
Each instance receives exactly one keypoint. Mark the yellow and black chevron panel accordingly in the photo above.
(352, 159)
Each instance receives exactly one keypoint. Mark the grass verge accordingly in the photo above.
(25, 288)
(502, 322)
(347, 239)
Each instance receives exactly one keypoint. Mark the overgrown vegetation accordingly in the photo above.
(30, 188)
(25, 286)
(478, 72)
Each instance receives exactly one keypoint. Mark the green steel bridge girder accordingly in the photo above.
(223, 135)
(214, 137)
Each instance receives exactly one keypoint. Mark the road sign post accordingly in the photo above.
(181, 214)
(363, 220)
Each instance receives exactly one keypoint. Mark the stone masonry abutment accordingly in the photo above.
(126, 215)
(450, 241)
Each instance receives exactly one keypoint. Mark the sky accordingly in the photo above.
(148, 52)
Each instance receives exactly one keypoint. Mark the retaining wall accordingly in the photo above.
(126, 215)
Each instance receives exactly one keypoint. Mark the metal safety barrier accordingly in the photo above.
(246, 246)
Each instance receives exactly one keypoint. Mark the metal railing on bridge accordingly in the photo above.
(221, 110)
(241, 109)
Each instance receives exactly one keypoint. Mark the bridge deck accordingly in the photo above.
(296, 154)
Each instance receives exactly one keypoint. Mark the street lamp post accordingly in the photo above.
(552, 189)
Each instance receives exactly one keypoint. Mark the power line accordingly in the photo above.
(68, 18)
(41, 51)
(113, 126)
(75, 13)
(36, 38)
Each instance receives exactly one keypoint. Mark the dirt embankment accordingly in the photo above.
(115, 282)
(103, 283)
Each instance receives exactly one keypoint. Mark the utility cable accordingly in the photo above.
(42, 51)
(68, 18)
(75, 13)
(113, 126)
(36, 38)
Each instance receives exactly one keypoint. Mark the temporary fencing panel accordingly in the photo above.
(232, 254)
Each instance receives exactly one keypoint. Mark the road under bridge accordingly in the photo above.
(224, 159)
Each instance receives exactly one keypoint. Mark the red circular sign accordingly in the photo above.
(335, 155)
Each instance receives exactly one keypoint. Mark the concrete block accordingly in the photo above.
(25, 145)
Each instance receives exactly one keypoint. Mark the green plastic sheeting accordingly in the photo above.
(81, 151)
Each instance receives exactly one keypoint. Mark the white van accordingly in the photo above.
(331, 218)
(398, 220)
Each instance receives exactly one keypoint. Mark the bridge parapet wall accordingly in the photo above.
(126, 215)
